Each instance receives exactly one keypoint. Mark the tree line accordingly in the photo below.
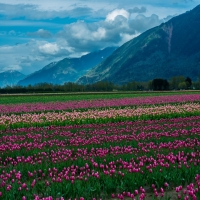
(158, 84)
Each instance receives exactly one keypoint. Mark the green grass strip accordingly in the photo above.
(62, 97)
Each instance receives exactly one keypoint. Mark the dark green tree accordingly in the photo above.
(160, 84)
(188, 81)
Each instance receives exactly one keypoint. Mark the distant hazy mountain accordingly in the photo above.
(68, 69)
(168, 50)
(10, 78)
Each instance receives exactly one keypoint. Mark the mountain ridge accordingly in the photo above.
(164, 51)
(67, 69)
(10, 78)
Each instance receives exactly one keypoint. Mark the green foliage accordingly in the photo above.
(175, 81)
(160, 84)
(182, 85)
(188, 82)
(61, 97)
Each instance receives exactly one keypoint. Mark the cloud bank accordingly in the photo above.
(37, 33)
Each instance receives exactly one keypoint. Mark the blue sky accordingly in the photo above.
(34, 33)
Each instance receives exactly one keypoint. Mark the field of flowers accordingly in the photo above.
(125, 148)
(62, 97)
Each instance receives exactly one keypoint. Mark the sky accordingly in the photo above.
(34, 33)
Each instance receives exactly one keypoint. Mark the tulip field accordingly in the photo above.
(144, 147)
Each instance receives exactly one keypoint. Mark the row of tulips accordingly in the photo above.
(98, 116)
(188, 193)
(118, 174)
(101, 103)
(100, 161)
(107, 128)
(40, 138)
(91, 180)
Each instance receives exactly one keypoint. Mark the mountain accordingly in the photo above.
(68, 69)
(10, 78)
(168, 50)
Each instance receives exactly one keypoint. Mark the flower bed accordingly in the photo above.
(100, 103)
(128, 159)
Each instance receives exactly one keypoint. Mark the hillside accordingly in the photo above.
(68, 69)
(168, 50)
(10, 78)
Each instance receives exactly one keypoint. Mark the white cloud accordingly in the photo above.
(31, 56)
(26, 23)
(99, 34)
(117, 28)
(111, 16)
(34, 12)
(75, 39)
(12, 67)
(120, 22)
(49, 48)
(126, 37)
(37, 9)
(62, 5)
(40, 33)
(137, 10)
